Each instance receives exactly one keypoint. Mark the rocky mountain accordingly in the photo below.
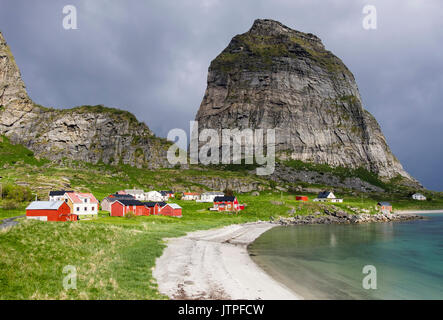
(276, 77)
(87, 133)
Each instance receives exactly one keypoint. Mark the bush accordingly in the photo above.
(130, 215)
(178, 195)
(17, 193)
(10, 205)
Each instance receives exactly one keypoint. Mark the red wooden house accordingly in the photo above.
(226, 203)
(301, 198)
(50, 211)
(121, 207)
(172, 210)
(385, 207)
(154, 208)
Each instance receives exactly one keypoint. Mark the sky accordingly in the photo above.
(152, 57)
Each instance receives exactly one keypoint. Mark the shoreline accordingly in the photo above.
(215, 264)
(419, 211)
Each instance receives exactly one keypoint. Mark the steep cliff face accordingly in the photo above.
(276, 77)
(85, 133)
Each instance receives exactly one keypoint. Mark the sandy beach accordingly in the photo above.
(215, 264)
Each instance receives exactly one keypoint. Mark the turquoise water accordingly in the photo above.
(326, 261)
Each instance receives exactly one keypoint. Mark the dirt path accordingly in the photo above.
(215, 264)
(9, 222)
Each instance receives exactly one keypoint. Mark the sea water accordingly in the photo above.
(327, 261)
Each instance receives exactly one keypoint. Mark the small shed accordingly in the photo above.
(385, 206)
(172, 210)
(50, 211)
(301, 198)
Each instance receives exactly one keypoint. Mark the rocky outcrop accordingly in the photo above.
(341, 217)
(285, 174)
(87, 133)
(275, 77)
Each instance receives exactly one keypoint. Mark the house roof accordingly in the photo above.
(174, 205)
(58, 193)
(191, 193)
(44, 205)
(115, 197)
(134, 191)
(151, 204)
(76, 197)
(384, 203)
(120, 196)
(153, 191)
(324, 194)
(130, 202)
(224, 199)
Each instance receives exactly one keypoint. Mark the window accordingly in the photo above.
(86, 200)
(78, 208)
(93, 208)
(86, 208)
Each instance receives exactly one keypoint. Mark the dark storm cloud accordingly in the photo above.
(151, 58)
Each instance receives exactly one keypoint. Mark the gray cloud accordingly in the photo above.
(151, 58)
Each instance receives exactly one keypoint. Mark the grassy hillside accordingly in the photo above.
(114, 257)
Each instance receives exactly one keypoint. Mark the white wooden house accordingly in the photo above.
(418, 196)
(153, 196)
(190, 196)
(137, 194)
(327, 196)
(210, 196)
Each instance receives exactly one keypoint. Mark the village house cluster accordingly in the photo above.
(221, 202)
(72, 206)
(329, 196)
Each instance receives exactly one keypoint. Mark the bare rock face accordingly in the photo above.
(88, 133)
(276, 77)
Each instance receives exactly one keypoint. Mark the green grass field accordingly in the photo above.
(114, 257)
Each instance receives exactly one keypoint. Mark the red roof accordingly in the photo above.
(76, 197)
(191, 193)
